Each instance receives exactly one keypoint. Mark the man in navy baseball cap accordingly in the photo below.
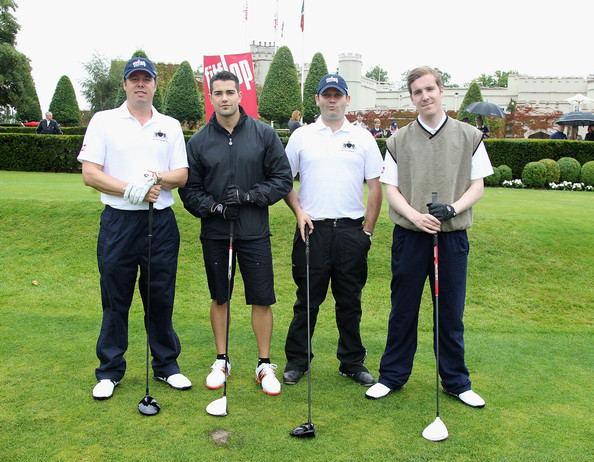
(140, 64)
(333, 81)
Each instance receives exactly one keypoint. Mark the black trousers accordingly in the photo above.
(122, 247)
(338, 256)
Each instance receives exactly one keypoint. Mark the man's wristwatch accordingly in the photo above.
(159, 177)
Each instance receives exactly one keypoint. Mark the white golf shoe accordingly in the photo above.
(177, 381)
(216, 378)
(468, 397)
(104, 389)
(266, 376)
(377, 391)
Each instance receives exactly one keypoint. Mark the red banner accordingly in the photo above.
(241, 65)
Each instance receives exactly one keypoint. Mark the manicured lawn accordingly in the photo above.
(529, 344)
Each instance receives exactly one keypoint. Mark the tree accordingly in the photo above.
(499, 79)
(281, 93)
(472, 95)
(317, 70)
(100, 88)
(17, 90)
(182, 101)
(378, 73)
(64, 107)
(28, 108)
(9, 27)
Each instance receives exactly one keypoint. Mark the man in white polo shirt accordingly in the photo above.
(133, 155)
(333, 159)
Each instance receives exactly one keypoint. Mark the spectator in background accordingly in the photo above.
(558, 133)
(377, 131)
(590, 134)
(295, 121)
(359, 121)
(393, 129)
(48, 126)
(482, 127)
(466, 120)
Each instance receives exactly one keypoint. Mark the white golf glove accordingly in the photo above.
(135, 192)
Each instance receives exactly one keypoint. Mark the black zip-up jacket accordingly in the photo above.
(253, 158)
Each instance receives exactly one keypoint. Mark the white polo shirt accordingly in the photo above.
(332, 168)
(480, 167)
(126, 150)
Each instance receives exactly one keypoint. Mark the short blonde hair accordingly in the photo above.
(296, 115)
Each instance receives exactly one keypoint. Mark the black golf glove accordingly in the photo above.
(228, 212)
(442, 212)
(235, 196)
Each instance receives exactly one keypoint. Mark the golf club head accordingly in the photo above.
(218, 407)
(436, 431)
(148, 406)
(307, 430)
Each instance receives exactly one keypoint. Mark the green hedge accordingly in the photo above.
(517, 153)
(40, 153)
(31, 130)
(27, 151)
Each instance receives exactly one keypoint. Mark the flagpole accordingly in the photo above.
(302, 54)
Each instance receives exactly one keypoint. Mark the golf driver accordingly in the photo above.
(437, 430)
(148, 405)
(307, 430)
(219, 406)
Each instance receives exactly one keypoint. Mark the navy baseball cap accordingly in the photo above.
(140, 64)
(394, 124)
(333, 81)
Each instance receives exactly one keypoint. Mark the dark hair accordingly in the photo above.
(420, 72)
(224, 75)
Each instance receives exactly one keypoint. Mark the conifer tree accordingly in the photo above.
(472, 95)
(182, 101)
(281, 93)
(317, 70)
(64, 107)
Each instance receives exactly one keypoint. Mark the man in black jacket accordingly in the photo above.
(48, 126)
(238, 168)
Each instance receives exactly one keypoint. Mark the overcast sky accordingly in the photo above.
(464, 38)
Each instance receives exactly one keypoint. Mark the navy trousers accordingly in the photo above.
(122, 248)
(412, 263)
(338, 255)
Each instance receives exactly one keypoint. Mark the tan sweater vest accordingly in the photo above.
(434, 163)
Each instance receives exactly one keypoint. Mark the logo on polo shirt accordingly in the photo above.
(160, 136)
(348, 146)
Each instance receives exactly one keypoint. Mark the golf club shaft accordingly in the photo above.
(436, 265)
(148, 292)
(229, 275)
(308, 325)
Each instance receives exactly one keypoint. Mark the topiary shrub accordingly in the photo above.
(553, 171)
(534, 175)
(493, 180)
(587, 175)
(505, 172)
(570, 169)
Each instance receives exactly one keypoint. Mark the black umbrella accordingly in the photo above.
(485, 108)
(576, 119)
